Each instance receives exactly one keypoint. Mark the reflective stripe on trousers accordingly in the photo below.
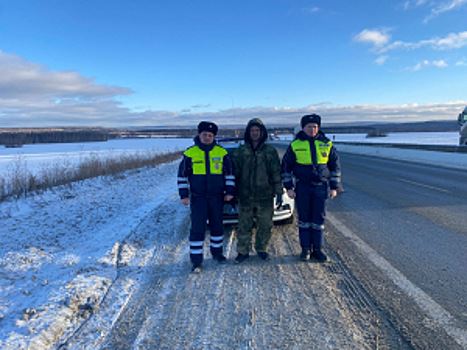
(203, 209)
(311, 208)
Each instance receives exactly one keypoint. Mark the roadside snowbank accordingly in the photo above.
(60, 250)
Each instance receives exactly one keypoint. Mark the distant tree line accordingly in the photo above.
(15, 137)
(19, 138)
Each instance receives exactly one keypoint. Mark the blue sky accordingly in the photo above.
(125, 63)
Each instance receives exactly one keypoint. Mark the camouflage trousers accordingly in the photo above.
(254, 215)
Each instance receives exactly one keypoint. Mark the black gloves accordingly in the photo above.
(278, 200)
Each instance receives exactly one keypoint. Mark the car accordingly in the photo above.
(462, 120)
(282, 214)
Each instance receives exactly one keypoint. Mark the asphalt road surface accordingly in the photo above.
(401, 228)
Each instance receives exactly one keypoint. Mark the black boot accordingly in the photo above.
(241, 258)
(264, 256)
(196, 268)
(319, 256)
(305, 254)
(220, 258)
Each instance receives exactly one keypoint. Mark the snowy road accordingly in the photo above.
(280, 304)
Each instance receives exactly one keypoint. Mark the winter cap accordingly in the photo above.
(310, 118)
(207, 126)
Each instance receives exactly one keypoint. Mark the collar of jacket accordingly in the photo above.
(205, 148)
(320, 136)
(253, 149)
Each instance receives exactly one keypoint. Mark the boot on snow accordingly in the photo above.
(241, 258)
(319, 256)
(196, 268)
(221, 259)
(305, 254)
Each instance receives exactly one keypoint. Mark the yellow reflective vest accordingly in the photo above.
(302, 150)
(198, 159)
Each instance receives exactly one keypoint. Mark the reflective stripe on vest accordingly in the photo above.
(198, 159)
(302, 151)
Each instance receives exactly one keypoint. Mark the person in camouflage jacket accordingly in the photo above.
(258, 178)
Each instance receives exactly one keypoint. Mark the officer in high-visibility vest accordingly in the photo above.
(313, 161)
(205, 180)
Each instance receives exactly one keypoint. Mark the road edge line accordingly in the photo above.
(437, 313)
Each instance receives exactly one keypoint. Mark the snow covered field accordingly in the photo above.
(63, 249)
(34, 158)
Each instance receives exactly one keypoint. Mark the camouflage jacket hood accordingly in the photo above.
(264, 133)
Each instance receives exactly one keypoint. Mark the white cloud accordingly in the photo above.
(115, 116)
(450, 41)
(439, 63)
(311, 10)
(331, 113)
(19, 77)
(461, 63)
(445, 7)
(31, 95)
(380, 60)
(376, 37)
(414, 3)
(428, 63)
(392, 113)
(436, 7)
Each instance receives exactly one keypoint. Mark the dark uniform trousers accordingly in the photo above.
(203, 209)
(311, 206)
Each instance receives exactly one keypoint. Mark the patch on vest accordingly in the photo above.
(324, 154)
(216, 162)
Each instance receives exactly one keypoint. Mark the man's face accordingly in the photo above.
(206, 137)
(255, 133)
(311, 129)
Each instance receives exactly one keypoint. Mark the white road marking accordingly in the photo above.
(424, 185)
(435, 311)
